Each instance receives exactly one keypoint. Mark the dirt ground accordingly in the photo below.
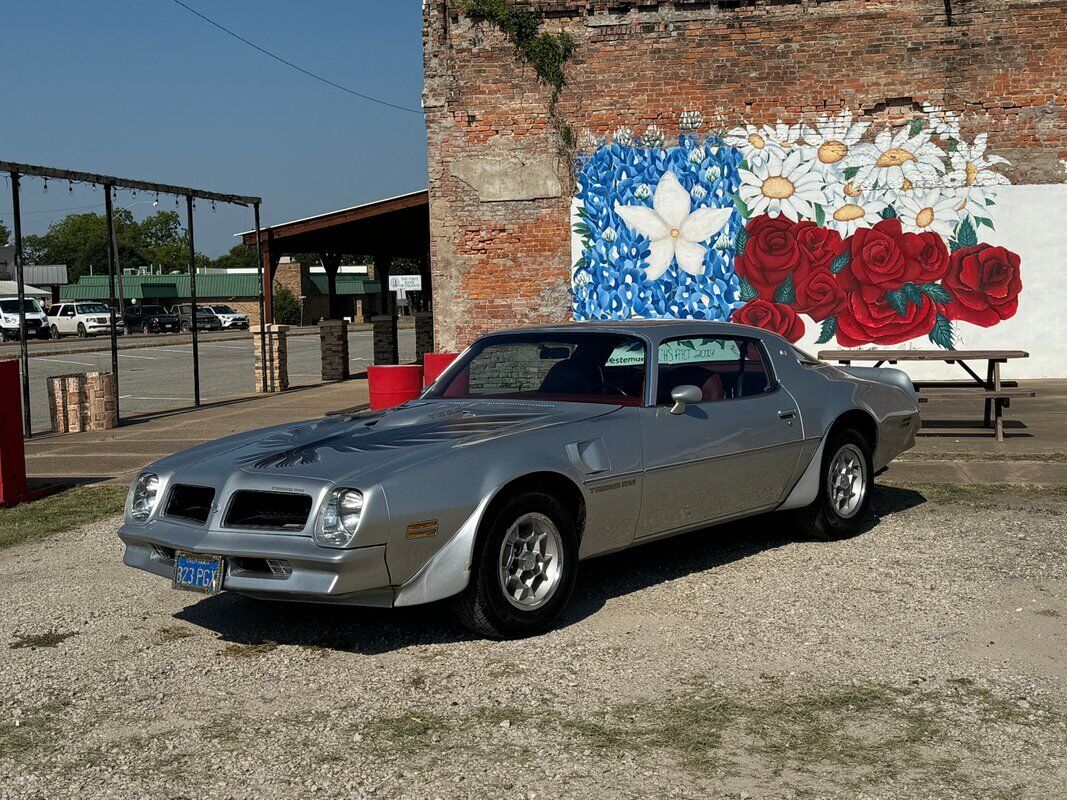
(926, 658)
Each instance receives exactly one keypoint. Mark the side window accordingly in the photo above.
(722, 367)
(52, 311)
(68, 311)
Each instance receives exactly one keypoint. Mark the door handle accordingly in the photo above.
(787, 414)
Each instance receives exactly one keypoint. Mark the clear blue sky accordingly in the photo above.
(142, 88)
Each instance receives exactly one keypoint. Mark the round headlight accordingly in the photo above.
(145, 495)
(340, 518)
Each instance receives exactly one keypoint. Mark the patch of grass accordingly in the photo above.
(39, 640)
(1054, 458)
(406, 732)
(1048, 612)
(30, 522)
(172, 633)
(251, 650)
(971, 492)
(24, 738)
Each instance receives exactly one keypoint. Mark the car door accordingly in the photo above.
(66, 321)
(730, 454)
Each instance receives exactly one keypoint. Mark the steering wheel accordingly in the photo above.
(612, 389)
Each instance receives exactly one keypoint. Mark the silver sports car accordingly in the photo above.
(536, 449)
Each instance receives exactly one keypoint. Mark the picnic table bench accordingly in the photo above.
(996, 393)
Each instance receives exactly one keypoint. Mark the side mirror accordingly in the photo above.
(681, 395)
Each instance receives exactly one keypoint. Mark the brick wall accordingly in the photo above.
(500, 186)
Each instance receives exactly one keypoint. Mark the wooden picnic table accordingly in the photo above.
(996, 392)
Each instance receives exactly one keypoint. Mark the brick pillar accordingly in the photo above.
(423, 334)
(277, 363)
(83, 402)
(385, 342)
(333, 341)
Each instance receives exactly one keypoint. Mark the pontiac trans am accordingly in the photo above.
(534, 450)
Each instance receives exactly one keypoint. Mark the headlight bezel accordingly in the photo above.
(144, 497)
(339, 518)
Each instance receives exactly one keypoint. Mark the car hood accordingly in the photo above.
(368, 446)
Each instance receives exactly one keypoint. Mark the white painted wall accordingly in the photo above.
(1030, 220)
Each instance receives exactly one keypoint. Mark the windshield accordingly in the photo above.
(573, 367)
(152, 310)
(223, 310)
(29, 305)
(92, 308)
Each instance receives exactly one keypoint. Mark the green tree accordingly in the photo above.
(240, 256)
(286, 306)
(5, 235)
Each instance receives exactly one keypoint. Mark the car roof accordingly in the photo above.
(655, 330)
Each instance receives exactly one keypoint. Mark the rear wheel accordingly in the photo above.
(146, 329)
(185, 327)
(844, 499)
(3, 336)
(53, 332)
(524, 569)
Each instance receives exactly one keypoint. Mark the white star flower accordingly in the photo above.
(788, 186)
(674, 230)
(928, 210)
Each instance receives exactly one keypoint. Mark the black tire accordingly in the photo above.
(822, 519)
(82, 332)
(185, 327)
(3, 336)
(483, 606)
(53, 332)
(146, 329)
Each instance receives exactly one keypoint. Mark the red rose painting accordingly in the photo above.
(877, 257)
(770, 316)
(771, 253)
(984, 282)
(819, 294)
(862, 322)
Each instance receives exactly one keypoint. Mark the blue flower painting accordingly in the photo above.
(656, 229)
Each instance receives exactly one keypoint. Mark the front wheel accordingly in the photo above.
(844, 498)
(82, 332)
(524, 569)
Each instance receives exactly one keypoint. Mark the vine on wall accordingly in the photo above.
(547, 52)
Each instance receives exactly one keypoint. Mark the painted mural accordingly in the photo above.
(872, 236)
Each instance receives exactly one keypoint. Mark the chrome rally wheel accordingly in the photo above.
(531, 561)
(847, 481)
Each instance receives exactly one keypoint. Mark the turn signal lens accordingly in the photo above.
(339, 518)
(145, 495)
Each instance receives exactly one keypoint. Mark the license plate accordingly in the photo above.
(198, 573)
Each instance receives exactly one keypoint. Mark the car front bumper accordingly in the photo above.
(239, 324)
(302, 571)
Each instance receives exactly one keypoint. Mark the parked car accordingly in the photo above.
(229, 318)
(83, 318)
(205, 320)
(149, 319)
(535, 449)
(36, 321)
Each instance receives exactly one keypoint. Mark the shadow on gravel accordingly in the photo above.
(253, 624)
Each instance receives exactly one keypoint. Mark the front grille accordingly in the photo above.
(274, 510)
(190, 502)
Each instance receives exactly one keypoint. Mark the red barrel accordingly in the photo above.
(393, 384)
(433, 364)
(12, 453)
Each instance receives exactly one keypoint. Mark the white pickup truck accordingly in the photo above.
(36, 321)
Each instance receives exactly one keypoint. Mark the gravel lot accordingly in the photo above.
(926, 658)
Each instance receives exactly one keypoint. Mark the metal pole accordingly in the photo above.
(262, 304)
(24, 353)
(192, 300)
(112, 251)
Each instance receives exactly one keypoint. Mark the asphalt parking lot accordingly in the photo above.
(158, 374)
(924, 658)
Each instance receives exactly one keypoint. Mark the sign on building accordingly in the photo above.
(405, 283)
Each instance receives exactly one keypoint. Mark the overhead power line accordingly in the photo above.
(298, 68)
